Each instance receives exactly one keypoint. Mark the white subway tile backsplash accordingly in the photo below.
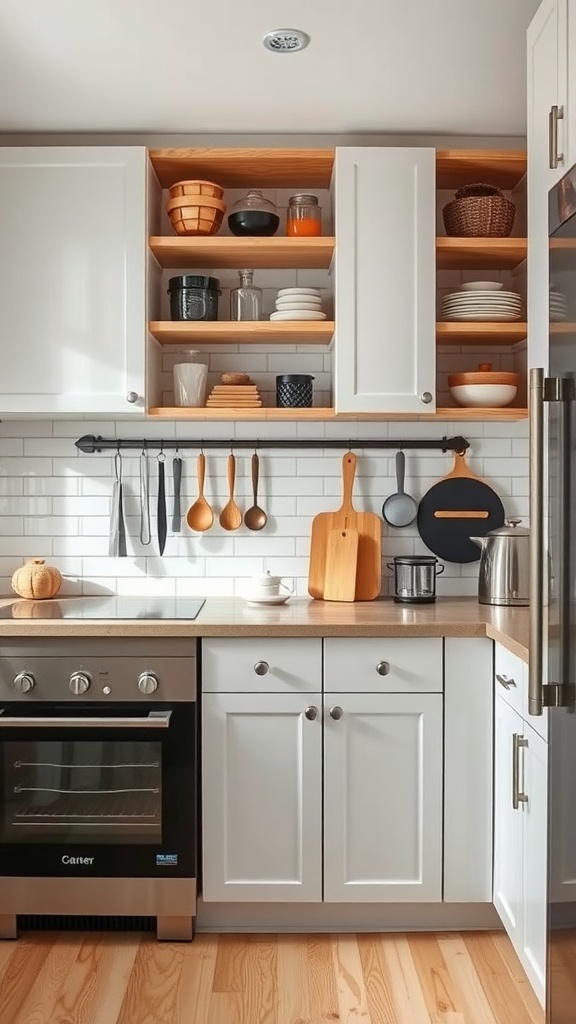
(55, 503)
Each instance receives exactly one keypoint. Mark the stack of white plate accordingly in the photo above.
(558, 306)
(482, 306)
(298, 304)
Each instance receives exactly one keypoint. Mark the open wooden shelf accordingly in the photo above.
(247, 332)
(565, 327)
(466, 333)
(229, 252)
(480, 253)
(246, 168)
(501, 167)
(324, 414)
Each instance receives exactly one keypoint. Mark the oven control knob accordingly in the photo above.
(24, 682)
(79, 682)
(148, 682)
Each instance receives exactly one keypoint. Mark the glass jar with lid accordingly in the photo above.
(304, 216)
(253, 215)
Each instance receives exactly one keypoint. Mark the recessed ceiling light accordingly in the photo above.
(286, 40)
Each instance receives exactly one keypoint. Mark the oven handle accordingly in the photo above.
(155, 720)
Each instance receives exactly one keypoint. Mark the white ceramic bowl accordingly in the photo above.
(486, 396)
(481, 286)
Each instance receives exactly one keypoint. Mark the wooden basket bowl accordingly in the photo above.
(196, 188)
(196, 220)
(208, 202)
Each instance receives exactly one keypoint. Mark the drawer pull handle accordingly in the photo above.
(261, 668)
(506, 681)
(383, 668)
(311, 713)
(336, 713)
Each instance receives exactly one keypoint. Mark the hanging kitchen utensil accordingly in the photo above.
(176, 510)
(200, 516)
(458, 507)
(161, 506)
(399, 509)
(231, 516)
(255, 517)
(117, 548)
(368, 527)
(144, 498)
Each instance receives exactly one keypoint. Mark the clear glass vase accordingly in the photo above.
(246, 300)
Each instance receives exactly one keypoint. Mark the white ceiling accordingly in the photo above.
(410, 66)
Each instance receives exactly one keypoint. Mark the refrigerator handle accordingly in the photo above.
(536, 405)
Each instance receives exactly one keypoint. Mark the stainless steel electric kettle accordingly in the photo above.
(504, 565)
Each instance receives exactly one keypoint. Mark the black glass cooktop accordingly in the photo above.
(105, 608)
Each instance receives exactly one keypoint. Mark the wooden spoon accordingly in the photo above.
(255, 517)
(200, 516)
(231, 516)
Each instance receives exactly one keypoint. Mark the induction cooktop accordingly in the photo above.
(105, 608)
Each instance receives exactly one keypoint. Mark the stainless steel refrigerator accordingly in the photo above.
(552, 670)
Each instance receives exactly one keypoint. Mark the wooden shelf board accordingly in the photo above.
(228, 252)
(323, 414)
(246, 168)
(501, 167)
(480, 253)
(480, 333)
(247, 332)
(565, 327)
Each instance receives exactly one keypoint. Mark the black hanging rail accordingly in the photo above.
(89, 444)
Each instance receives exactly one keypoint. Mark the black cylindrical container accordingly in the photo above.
(415, 578)
(294, 391)
(193, 297)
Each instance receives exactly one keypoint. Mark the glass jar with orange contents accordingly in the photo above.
(304, 216)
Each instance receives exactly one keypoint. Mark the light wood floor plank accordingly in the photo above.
(42, 1004)
(352, 999)
(408, 998)
(246, 964)
(535, 1013)
(94, 987)
(293, 986)
(23, 966)
(321, 979)
(497, 983)
(471, 995)
(439, 993)
(377, 980)
(196, 980)
(153, 987)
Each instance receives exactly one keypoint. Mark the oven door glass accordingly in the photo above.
(104, 790)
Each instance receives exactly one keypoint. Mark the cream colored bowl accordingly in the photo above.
(485, 396)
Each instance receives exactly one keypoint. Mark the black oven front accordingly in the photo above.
(98, 779)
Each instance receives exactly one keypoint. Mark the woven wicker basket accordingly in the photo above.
(479, 211)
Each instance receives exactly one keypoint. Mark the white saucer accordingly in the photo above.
(273, 599)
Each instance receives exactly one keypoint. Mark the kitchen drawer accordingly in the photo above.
(510, 679)
(387, 665)
(262, 665)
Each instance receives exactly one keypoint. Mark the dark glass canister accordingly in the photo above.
(294, 391)
(253, 215)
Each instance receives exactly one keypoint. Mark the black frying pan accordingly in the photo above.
(458, 507)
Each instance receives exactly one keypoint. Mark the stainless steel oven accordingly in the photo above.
(98, 780)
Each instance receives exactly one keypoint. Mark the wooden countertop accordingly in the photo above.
(232, 617)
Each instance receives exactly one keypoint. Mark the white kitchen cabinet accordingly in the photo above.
(547, 160)
(262, 797)
(385, 280)
(73, 280)
(383, 797)
(520, 839)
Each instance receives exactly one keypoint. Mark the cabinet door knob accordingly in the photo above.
(132, 397)
(383, 668)
(261, 668)
(426, 397)
(336, 713)
(506, 681)
(311, 713)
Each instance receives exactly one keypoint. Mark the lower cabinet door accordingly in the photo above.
(534, 859)
(507, 822)
(383, 797)
(262, 797)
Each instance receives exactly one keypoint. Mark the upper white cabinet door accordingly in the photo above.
(534, 858)
(385, 352)
(507, 824)
(72, 280)
(547, 89)
(262, 797)
(383, 798)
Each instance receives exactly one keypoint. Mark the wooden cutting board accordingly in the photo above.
(346, 520)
